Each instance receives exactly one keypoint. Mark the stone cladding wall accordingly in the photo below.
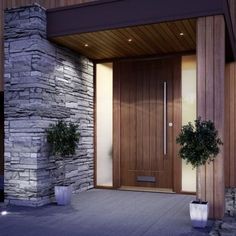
(230, 201)
(43, 83)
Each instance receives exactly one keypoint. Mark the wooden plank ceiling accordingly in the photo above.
(143, 40)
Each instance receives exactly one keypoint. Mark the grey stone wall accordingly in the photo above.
(43, 83)
(230, 201)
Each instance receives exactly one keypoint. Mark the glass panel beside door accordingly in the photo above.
(104, 97)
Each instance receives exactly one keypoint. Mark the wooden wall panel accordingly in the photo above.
(177, 117)
(219, 76)
(116, 126)
(230, 125)
(210, 105)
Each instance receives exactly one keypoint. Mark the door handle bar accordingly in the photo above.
(164, 119)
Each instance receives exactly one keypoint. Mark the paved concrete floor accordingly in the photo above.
(104, 213)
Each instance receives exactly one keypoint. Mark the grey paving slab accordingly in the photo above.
(104, 213)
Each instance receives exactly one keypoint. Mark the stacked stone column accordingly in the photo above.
(43, 83)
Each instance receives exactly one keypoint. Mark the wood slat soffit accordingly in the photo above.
(143, 40)
(153, 26)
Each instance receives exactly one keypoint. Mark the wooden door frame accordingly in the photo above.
(177, 118)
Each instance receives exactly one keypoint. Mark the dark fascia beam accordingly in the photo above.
(230, 36)
(113, 14)
(104, 15)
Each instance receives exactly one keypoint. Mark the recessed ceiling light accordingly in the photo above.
(3, 213)
(86, 45)
(181, 34)
(130, 40)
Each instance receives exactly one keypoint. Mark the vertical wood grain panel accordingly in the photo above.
(116, 126)
(201, 93)
(141, 121)
(210, 99)
(177, 117)
(132, 122)
(154, 118)
(124, 116)
(169, 76)
(230, 125)
(227, 125)
(219, 70)
(146, 119)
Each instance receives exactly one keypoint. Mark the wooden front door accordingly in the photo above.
(146, 121)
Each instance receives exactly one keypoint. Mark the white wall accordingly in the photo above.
(189, 110)
(104, 98)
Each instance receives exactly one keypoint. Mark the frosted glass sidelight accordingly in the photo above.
(189, 109)
(104, 98)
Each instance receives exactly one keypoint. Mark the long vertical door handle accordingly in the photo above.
(164, 119)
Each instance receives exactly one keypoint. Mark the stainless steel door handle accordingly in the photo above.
(164, 119)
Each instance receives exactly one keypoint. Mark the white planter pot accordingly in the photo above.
(199, 214)
(63, 195)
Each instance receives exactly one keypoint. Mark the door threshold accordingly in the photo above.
(146, 189)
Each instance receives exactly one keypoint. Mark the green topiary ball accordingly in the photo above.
(199, 143)
(63, 138)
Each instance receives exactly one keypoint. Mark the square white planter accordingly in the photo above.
(63, 195)
(199, 213)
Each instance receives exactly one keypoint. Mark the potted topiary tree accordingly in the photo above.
(63, 139)
(199, 144)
